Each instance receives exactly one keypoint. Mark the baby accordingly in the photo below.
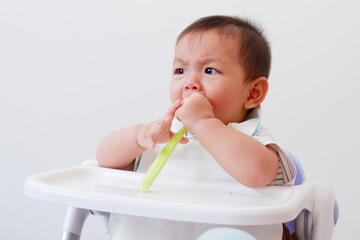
(219, 79)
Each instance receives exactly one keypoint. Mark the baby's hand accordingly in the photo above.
(158, 131)
(193, 109)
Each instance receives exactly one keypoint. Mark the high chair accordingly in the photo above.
(309, 207)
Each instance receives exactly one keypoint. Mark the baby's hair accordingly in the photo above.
(254, 55)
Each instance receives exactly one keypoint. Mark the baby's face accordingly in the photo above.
(208, 63)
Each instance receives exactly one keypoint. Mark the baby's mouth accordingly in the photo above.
(187, 94)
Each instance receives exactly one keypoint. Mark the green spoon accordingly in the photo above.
(160, 161)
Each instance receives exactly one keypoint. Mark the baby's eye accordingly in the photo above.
(211, 71)
(179, 71)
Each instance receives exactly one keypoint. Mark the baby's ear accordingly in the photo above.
(257, 92)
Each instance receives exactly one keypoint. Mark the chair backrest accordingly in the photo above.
(300, 174)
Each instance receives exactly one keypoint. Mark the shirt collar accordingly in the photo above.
(249, 126)
(251, 123)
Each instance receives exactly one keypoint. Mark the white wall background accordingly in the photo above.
(73, 70)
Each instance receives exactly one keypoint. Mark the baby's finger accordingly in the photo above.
(171, 111)
(151, 143)
(156, 128)
(164, 125)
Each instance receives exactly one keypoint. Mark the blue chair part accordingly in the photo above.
(300, 174)
(336, 212)
(225, 233)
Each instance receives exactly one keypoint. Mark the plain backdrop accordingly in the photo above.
(73, 70)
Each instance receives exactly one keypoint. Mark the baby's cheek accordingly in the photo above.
(175, 94)
(173, 97)
(220, 108)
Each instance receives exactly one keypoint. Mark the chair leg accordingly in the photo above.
(304, 225)
(74, 222)
(324, 212)
(318, 223)
(106, 218)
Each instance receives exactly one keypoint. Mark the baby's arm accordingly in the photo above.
(120, 148)
(243, 157)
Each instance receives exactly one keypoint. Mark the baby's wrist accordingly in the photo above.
(140, 137)
(204, 125)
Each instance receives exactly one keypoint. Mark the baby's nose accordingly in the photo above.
(191, 86)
